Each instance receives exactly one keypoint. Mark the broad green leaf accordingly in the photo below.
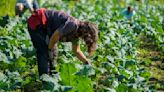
(87, 70)
(67, 72)
(122, 88)
(84, 84)
(50, 83)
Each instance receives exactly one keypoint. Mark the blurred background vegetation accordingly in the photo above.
(139, 43)
(7, 6)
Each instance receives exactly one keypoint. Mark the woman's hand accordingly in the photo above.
(79, 53)
(51, 54)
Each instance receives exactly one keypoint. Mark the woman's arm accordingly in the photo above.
(79, 53)
(31, 10)
(75, 47)
(54, 39)
(29, 5)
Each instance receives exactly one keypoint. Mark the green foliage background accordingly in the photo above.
(7, 7)
(115, 64)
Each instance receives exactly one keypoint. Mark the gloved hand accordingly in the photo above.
(51, 54)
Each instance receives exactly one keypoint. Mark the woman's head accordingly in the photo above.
(129, 8)
(19, 8)
(89, 33)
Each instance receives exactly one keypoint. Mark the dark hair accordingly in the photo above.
(89, 33)
(129, 8)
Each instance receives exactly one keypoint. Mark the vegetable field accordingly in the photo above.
(129, 55)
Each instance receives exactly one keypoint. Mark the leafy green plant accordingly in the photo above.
(115, 66)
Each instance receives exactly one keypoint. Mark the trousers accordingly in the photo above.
(45, 63)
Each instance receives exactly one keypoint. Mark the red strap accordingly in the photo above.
(37, 18)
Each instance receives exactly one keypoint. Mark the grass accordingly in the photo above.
(7, 7)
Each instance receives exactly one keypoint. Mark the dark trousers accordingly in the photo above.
(38, 38)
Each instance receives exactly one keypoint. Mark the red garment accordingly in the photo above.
(37, 18)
